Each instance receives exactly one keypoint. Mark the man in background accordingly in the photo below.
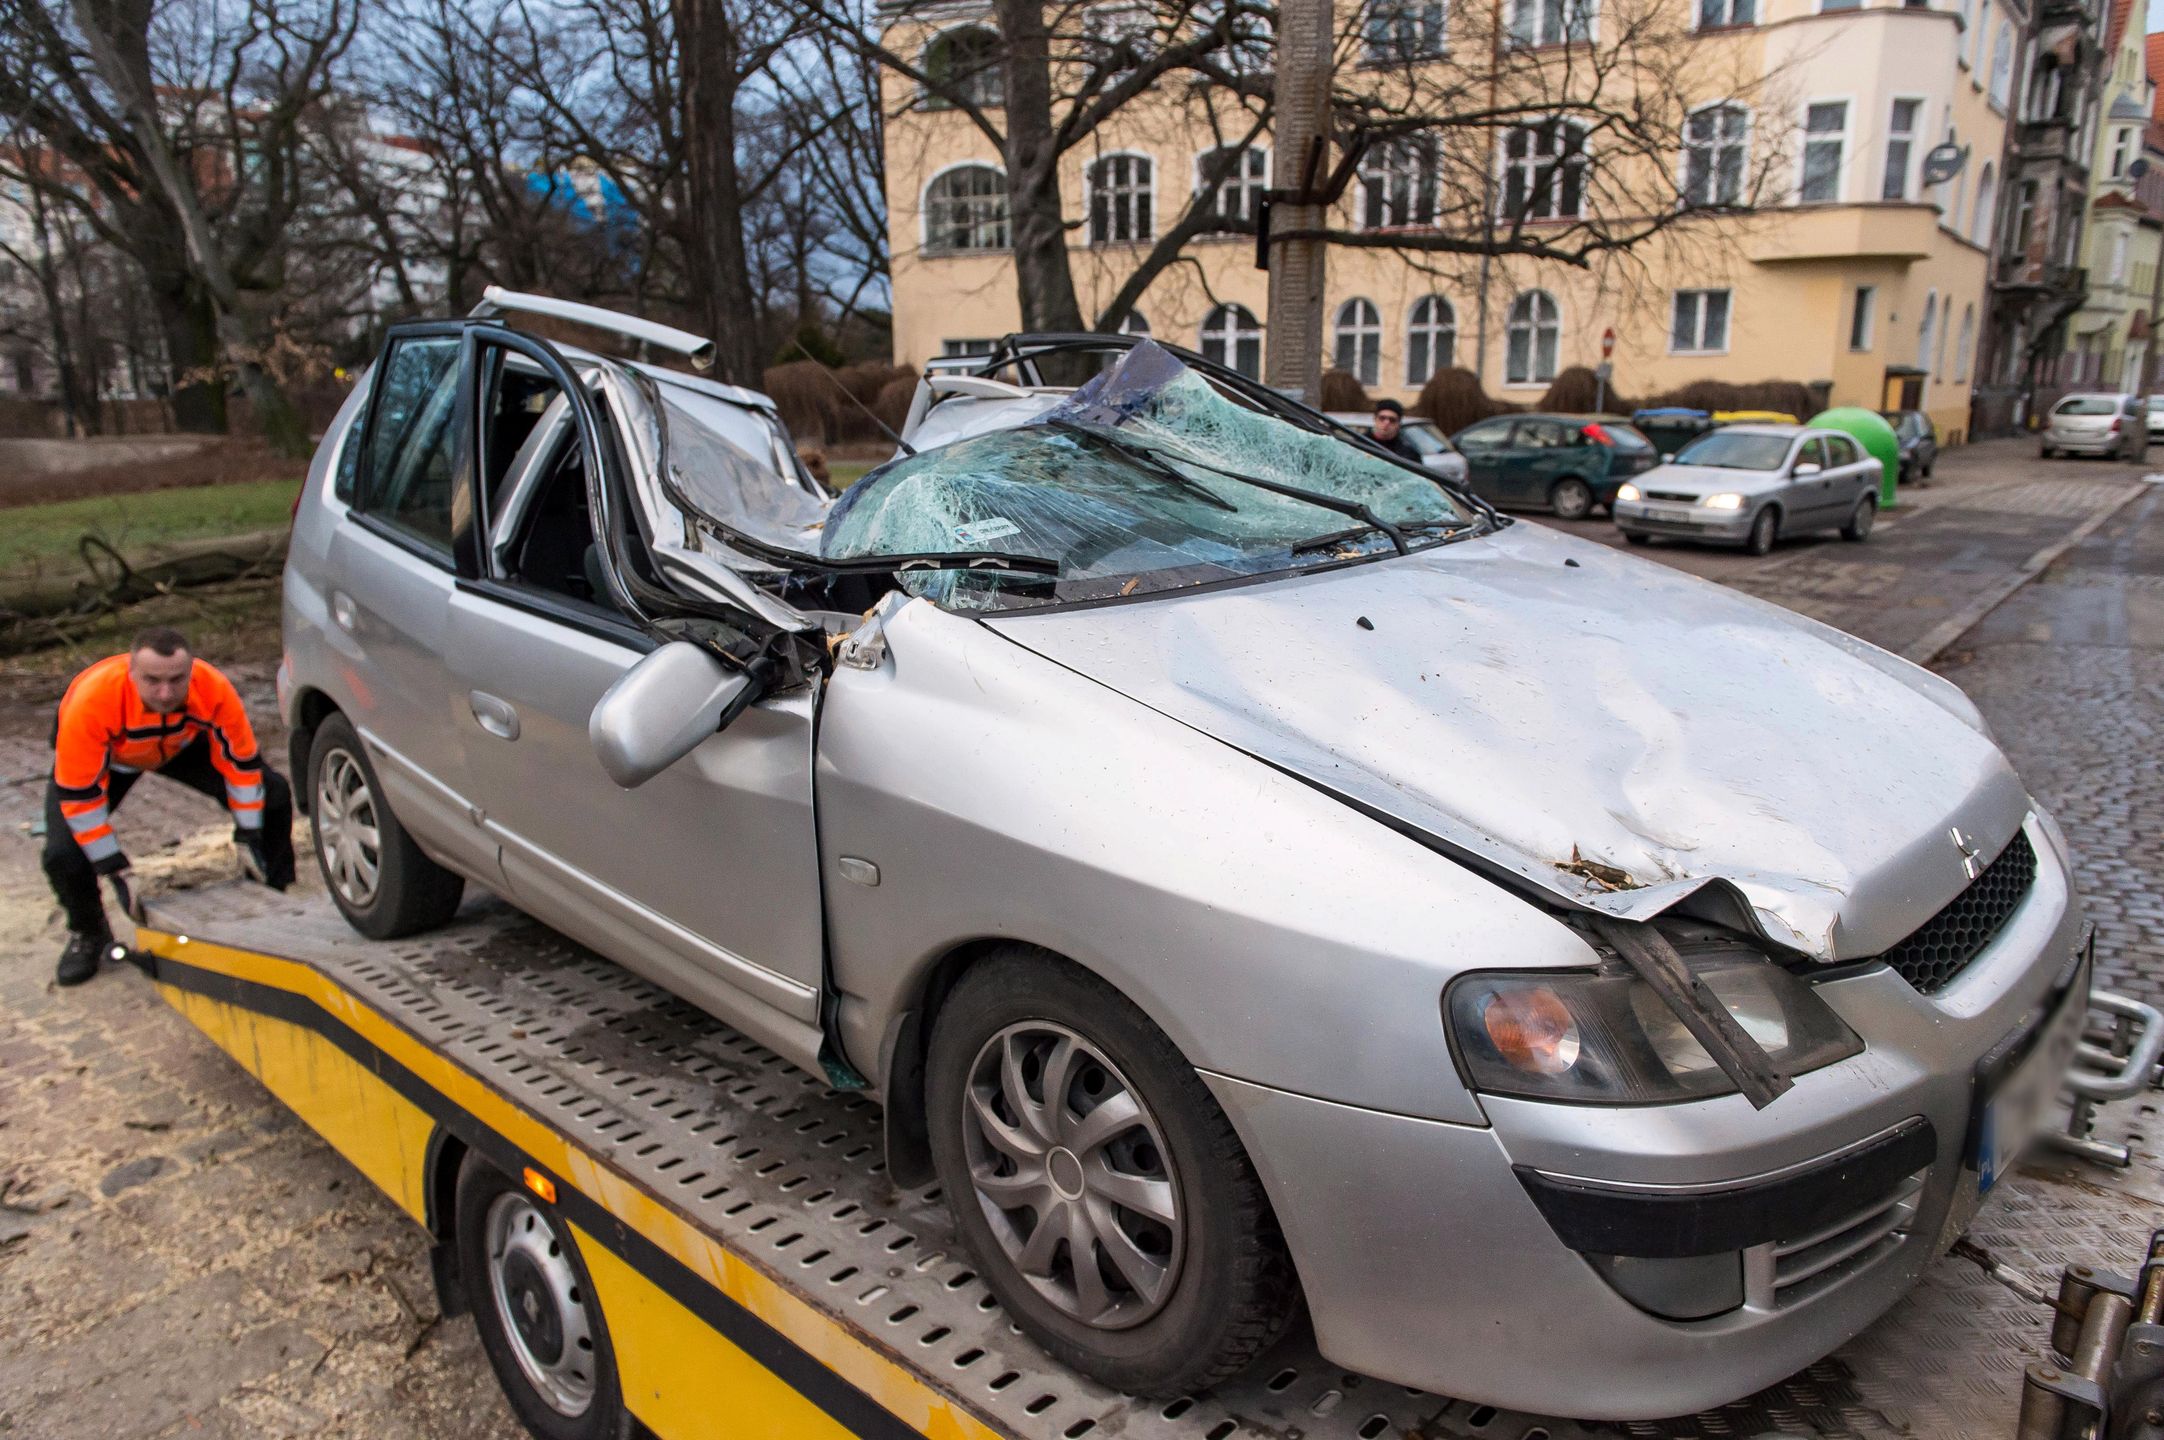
(1389, 430)
(155, 708)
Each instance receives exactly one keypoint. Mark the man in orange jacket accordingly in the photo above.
(155, 708)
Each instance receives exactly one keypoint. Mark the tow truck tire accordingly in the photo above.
(407, 892)
(535, 1308)
(1231, 1291)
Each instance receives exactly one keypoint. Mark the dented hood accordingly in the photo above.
(1607, 732)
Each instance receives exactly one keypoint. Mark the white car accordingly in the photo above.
(2094, 424)
(2156, 416)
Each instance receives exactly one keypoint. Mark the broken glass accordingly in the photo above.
(1145, 479)
(722, 464)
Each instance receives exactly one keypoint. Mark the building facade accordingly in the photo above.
(1848, 272)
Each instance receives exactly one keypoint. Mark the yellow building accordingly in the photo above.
(1848, 272)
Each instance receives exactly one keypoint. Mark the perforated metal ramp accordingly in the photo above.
(788, 1174)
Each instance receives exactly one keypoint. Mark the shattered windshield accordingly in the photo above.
(1145, 479)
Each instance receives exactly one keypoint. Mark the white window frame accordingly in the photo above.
(1581, 29)
(1843, 136)
(1365, 331)
(1964, 353)
(2118, 258)
(1863, 316)
(1966, 9)
(1533, 379)
(1147, 190)
(1973, 44)
(2121, 136)
(2002, 66)
(1248, 187)
(1701, 297)
(924, 213)
(1429, 332)
(927, 100)
(1423, 50)
(1727, 10)
(1927, 333)
(1713, 149)
(1534, 161)
(1231, 335)
(1913, 151)
(1984, 219)
(960, 349)
(1117, 20)
(1384, 165)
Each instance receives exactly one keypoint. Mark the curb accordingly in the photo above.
(1947, 631)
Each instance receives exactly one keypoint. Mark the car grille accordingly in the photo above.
(1685, 496)
(1930, 958)
(1787, 1271)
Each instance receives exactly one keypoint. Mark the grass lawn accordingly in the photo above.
(848, 472)
(43, 537)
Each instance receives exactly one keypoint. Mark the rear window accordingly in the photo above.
(2088, 405)
(1625, 436)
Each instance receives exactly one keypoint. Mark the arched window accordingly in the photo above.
(1987, 196)
(2002, 64)
(1431, 338)
(965, 209)
(1359, 336)
(1967, 343)
(1242, 173)
(963, 66)
(1533, 335)
(1122, 188)
(1135, 324)
(1233, 337)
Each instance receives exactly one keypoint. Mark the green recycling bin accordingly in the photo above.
(1870, 430)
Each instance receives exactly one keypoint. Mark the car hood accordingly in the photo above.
(1699, 481)
(1600, 732)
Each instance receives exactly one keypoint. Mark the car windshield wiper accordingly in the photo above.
(1338, 537)
(1353, 508)
(1155, 463)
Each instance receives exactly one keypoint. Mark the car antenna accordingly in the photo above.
(869, 414)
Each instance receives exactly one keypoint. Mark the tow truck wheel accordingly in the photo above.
(535, 1308)
(1100, 1189)
(380, 880)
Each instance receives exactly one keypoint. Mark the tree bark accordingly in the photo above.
(720, 271)
(188, 321)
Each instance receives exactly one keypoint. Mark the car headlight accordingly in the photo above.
(1626, 491)
(1608, 1039)
(1728, 501)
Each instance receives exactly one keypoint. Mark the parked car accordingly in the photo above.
(1568, 464)
(2096, 424)
(1670, 427)
(2156, 418)
(1919, 440)
(1253, 877)
(1423, 435)
(1749, 485)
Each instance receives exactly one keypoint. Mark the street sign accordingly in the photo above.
(1607, 342)
(1604, 372)
(1944, 162)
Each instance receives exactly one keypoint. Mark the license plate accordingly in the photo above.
(1672, 514)
(2011, 1111)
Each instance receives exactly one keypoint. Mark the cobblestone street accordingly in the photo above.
(180, 1256)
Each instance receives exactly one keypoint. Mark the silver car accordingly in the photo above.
(2098, 424)
(1255, 878)
(1750, 485)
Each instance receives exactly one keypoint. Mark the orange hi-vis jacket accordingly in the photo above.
(104, 728)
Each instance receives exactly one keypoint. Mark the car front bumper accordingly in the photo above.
(1671, 517)
(1431, 1257)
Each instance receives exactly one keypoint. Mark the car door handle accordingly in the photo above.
(496, 716)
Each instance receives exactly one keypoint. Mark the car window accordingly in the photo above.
(1814, 453)
(407, 475)
(1541, 435)
(1840, 450)
(2087, 405)
(1487, 435)
(1423, 440)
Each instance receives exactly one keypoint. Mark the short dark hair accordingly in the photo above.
(1391, 407)
(161, 640)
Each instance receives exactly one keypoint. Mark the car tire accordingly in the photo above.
(1632, 537)
(2043, 452)
(534, 1305)
(407, 892)
(1570, 498)
(1226, 1289)
(1860, 520)
(1765, 532)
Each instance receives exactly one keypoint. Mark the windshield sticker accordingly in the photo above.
(982, 532)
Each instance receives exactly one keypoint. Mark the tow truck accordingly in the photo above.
(757, 1274)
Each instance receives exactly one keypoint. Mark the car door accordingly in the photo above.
(1810, 497)
(1540, 455)
(1854, 473)
(389, 577)
(706, 878)
(1486, 448)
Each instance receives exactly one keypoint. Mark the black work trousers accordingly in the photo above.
(76, 884)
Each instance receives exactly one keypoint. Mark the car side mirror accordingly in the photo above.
(662, 708)
(1804, 468)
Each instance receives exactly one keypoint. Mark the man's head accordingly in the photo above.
(1389, 416)
(159, 662)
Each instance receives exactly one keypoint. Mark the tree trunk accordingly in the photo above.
(720, 273)
(1044, 281)
(189, 322)
(1292, 337)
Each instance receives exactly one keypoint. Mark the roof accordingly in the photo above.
(2153, 62)
(2121, 12)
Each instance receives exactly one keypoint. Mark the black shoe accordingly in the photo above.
(79, 961)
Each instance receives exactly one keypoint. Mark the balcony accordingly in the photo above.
(2039, 278)
(2050, 139)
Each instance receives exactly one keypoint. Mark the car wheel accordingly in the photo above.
(1570, 498)
(1101, 1190)
(1765, 530)
(1632, 537)
(1860, 520)
(377, 876)
(2043, 452)
(534, 1305)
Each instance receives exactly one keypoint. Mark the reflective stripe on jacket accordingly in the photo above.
(103, 727)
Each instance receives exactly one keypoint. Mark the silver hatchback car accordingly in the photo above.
(1254, 876)
(2097, 424)
(1750, 485)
